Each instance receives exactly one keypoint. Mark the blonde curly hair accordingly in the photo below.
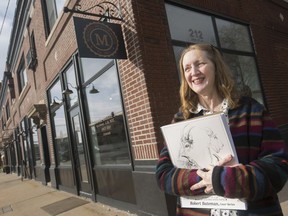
(225, 84)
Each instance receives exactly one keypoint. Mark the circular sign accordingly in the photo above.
(100, 39)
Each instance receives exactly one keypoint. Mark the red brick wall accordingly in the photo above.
(149, 79)
(52, 54)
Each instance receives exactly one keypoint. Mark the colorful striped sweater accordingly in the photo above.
(262, 174)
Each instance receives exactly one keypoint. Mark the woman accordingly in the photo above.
(207, 87)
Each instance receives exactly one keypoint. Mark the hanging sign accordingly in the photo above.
(97, 39)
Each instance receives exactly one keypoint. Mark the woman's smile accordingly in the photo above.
(199, 72)
(198, 80)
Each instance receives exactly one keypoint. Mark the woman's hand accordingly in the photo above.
(206, 175)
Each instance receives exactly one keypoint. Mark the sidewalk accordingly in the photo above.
(31, 198)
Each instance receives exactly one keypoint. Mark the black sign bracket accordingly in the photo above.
(105, 10)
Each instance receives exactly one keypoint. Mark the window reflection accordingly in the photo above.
(177, 54)
(24, 140)
(35, 141)
(71, 85)
(61, 143)
(61, 137)
(59, 6)
(55, 95)
(233, 36)
(245, 73)
(22, 75)
(190, 26)
(106, 120)
(53, 10)
(108, 99)
(80, 149)
(92, 66)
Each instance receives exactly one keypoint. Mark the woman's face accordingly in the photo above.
(199, 72)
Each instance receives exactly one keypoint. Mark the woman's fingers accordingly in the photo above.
(206, 175)
(209, 190)
(206, 180)
(225, 160)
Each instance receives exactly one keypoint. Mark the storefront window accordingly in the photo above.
(91, 66)
(177, 53)
(61, 137)
(58, 121)
(36, 147)
(232, 39)
(71, 85)
(233, 36)
(245, 73)
(189, 26)
(24, 141)
(106, 119)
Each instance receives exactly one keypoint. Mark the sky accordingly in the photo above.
(5, 30)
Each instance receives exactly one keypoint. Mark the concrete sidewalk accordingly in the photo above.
(31, 198)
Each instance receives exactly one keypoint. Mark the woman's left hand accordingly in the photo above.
(206, 175)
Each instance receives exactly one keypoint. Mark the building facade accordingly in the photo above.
(91, 126)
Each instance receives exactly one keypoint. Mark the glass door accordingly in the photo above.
(78, 148)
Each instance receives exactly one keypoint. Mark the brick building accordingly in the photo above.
(91, 126)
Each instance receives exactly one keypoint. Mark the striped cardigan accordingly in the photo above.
(262, 173)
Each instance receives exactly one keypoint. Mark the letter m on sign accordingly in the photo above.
(102, 40)
(99, 39)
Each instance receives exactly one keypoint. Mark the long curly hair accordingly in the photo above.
(225, 84)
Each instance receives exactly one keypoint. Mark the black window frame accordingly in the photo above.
(22, 79)
(47, 25)
(31, 57)
(56, 102)
(7, 107)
